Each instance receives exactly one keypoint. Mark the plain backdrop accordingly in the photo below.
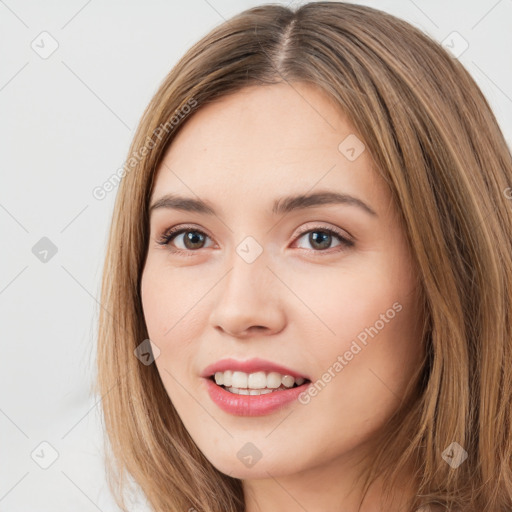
(74, 79)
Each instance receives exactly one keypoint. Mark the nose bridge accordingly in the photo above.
(248, 296)
(249, 278)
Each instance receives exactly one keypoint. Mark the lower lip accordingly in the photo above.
(252, 405)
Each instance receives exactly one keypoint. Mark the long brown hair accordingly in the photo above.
(433, 137)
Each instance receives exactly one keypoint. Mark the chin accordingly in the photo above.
(241, 467)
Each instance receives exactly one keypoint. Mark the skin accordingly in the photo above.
(294, 305)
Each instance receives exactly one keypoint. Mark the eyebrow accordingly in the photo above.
(281, 205)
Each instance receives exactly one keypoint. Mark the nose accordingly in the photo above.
(248, 301)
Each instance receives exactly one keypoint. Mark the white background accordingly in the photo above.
(65, 126)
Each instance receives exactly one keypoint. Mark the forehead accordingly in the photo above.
(266, 141)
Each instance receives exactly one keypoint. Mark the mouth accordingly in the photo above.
(259, 383)
(254, 394)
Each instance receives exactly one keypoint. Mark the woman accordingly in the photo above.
(306, 296)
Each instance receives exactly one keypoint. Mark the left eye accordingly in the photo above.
(319, 238)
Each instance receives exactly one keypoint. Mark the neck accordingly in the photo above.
(330, 487)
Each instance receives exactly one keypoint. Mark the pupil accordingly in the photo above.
(314, 238)
(193, 237)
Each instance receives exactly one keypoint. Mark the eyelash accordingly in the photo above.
(169, 235)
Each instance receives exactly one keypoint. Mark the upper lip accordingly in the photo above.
(249, 366)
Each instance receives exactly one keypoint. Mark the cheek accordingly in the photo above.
(363, 373)
(154, 305)
(170, 318)
(171, 301)
(339, 303)
(370, 317)
(175, 308)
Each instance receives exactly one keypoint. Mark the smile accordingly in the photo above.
(254, 394)
(255, 383)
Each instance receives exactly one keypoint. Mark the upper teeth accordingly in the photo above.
(258, 380)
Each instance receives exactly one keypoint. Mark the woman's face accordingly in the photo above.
(260, 276)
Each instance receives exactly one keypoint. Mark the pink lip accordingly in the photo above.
(252, 405)
(249, 366)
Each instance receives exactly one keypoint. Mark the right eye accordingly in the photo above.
(193, 239)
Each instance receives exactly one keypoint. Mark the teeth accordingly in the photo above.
(239, 380)
(228, 375)
(288, 381)
(238, 391)
(274, 380)
(255, 381)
